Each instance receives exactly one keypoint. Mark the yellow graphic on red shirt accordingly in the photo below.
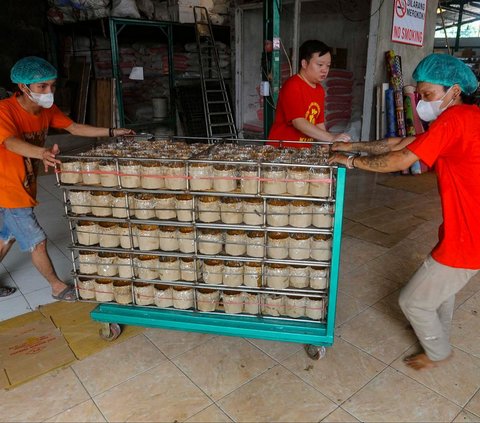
(312, 114)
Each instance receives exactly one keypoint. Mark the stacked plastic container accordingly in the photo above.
(214, 228)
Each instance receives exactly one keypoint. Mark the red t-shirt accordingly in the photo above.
(18, 173)
(297, 99)
(452, 144)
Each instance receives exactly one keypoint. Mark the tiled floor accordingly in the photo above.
(175, 376)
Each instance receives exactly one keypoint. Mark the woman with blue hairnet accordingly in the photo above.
(451, 145)
(24, 122)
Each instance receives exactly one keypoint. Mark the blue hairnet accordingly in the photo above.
(31, 70)
(446, 70)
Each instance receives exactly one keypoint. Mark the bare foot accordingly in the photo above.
(421, 361)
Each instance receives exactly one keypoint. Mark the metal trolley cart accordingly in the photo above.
(223, 238)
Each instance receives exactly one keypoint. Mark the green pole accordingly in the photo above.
(271, 60)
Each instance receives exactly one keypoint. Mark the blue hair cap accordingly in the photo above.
(31, 70)
(446, 70)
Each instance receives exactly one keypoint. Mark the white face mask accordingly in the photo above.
(430, 110)
(43, 100)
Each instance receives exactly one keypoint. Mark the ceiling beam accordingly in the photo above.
(457, 10)
(437, 27)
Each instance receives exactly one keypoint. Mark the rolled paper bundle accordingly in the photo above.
(390, 113)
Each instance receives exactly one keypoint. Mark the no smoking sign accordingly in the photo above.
(409, 21)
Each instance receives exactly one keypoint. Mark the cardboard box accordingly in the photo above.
(30, 347)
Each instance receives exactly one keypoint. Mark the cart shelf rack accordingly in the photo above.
(315, 334)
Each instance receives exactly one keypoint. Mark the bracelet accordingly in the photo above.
(111, 132)
(349, 164)
(353, 161)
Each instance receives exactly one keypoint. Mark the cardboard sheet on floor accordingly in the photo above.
(30, 345)
(418, 184)
(79, 330)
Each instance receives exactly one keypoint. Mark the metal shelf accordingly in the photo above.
(316, 332)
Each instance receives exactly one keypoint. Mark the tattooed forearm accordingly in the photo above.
(376, 163)
(372, 147)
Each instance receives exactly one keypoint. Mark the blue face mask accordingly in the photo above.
(430, 110)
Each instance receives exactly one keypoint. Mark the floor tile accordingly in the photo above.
(393, 397)
(42, 398)
(41, 297)
(276, 396)
(12, 307)
(465, 333)
(411, 249)
(223, 364)
(473, 405)
(472, 305)
(347, 307)
(379, 334)
(457, 380)
(393, 222)
(367, 286)
(339, 416)
(174, 342)
(115, 365)
(277, 350)
(211, 414)
(426, 233)
(160, 394)
(85, 412)
(468, 291)
(371, 212)
(28, 279)
(394, 267)
(63, 244)
(331, 375)
(16, 259)
(466, 417)
(389, 305)
(359, 252)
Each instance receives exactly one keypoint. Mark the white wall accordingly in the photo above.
(324, 21)
(411, 55)
(381, 26)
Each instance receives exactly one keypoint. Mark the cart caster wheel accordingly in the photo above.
(110, 331)
(314, 352)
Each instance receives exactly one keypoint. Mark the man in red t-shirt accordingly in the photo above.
(24, 121)
(300, 113)
(452, 147)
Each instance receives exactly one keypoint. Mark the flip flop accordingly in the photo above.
(68, 295)
(6, 291)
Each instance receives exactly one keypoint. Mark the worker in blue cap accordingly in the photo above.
(451, 145)
(24, 122)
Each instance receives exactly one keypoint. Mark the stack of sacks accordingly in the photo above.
(182, 62)
(186, 63)
(153, 9)
(102, 58)
(339, 97)
(253, 116)
(182, 10)
(62, 11)
(285, 72)
(137, 95)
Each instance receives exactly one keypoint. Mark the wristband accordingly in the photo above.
(349, 164)
(353, 161)
(111, 132)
